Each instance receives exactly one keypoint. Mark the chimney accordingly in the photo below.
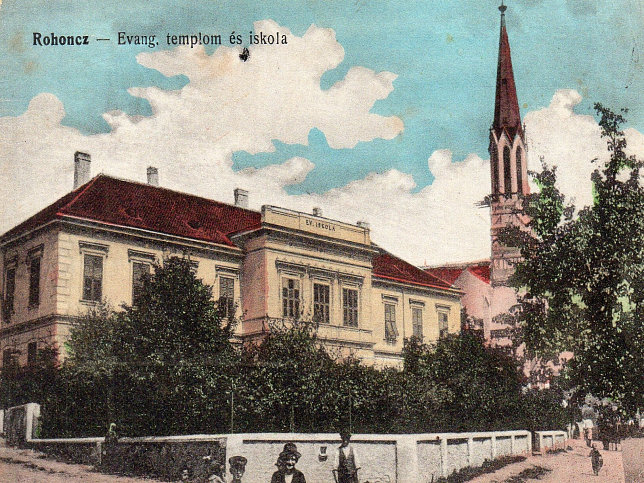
(241, 198)
(82, 163)
(317, 211)
(153, 176)
(363, 224)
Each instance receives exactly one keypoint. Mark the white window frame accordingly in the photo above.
(326, 318)
(96, 250)
(141, 257)
(286, 312)
(34, 254)
(443, 332)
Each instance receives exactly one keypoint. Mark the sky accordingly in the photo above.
(371, 110)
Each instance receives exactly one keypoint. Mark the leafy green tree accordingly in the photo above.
(160, 367)
(290, 382)
(21, 385)
(459, 384)
(583, 275)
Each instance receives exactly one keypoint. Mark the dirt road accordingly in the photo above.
(26, 466)
(572, 466)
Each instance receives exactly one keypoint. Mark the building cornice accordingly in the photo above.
(445, 292)
(15, 328)
(150, 235)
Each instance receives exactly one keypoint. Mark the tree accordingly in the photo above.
(290, 382)
(459, 384)
(583, 275)
(160, 367)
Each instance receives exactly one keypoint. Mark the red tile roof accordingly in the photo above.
(481, 271)
(389, 267)
(449, 273)
(125, 203)
(136, 205)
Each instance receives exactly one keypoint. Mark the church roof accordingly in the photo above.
(506, 108)
(450, 273)
(118, 202)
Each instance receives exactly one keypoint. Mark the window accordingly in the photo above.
(442, 324)
(227, 296)
(32, 353)
(10, 358)
(321, 303)
(519, 172)
(9, 292)
(391, 332)
(494, 162)
(290, 297)
(350, 307)
(417, 322)
(140, 270)
(93, 278)
(34, 281)
(507, 172)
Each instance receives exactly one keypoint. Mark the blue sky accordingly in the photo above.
(443, 55)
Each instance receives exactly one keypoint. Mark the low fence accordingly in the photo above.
(383, 458)
(545, 440)
(20, 423)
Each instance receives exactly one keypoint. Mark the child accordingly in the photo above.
(596, 460)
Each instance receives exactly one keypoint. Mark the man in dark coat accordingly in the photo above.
(286, 471)
(596, 460)
(347, 460)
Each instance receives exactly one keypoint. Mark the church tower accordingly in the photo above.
(508, 164)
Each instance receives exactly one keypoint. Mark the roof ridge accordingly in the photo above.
(456, 265)
(84, 187)
(163, 188)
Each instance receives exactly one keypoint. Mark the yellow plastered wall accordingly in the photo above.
(405, 298)
(61, 282)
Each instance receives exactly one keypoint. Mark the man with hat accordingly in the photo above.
(286, 471)
(237, 467)
(346, 460)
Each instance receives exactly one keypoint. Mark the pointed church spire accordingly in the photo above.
(508, 164)
(506, 108)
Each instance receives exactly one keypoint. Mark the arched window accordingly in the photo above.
(494, 162)
(519, 172)
(507, 171)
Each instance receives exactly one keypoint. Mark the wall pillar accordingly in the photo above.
(470, 451)
(444, 457)
(407, 459)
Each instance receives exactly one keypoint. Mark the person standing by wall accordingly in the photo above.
(346, 460)
(286, 461)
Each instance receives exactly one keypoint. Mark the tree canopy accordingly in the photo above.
(583, 274)
(169, 365)
(146, 366)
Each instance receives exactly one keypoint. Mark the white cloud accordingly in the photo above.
(227, 106)
(439, 223)
(231, 105)
(570, 141)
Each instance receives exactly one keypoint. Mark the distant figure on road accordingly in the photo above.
(346, 460)
(286, 471)
(596, 460)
